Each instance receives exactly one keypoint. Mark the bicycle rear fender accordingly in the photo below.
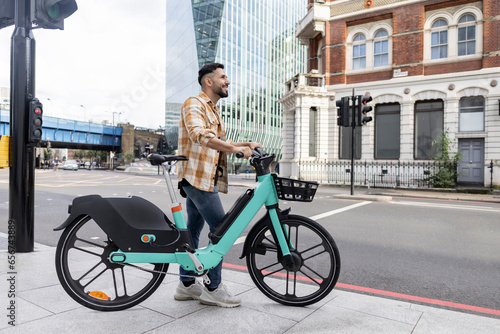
(265, 220)
(125, 220)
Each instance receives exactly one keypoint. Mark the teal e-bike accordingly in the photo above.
(115, 252)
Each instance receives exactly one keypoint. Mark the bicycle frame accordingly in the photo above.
(210, 256)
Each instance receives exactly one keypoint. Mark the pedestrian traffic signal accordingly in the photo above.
(50, 14)
(7, 12)
(35, 121)
(363, 109)
(343, 111)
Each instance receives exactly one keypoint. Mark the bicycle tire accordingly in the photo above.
(84, 248)
(311, 251)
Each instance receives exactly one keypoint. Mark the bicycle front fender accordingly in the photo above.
(264, 221)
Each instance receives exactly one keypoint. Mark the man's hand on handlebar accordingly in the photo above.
(253, 146)
(245, 150)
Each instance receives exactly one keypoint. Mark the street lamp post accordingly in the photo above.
(84, 110)
(113, 146)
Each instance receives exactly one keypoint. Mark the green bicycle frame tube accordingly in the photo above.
(210, 256)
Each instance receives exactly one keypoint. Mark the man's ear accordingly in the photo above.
(208, 81)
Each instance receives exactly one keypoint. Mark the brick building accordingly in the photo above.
(430, 66)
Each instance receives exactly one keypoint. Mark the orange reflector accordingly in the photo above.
(145, 238)
(177, 209)
(99, 295)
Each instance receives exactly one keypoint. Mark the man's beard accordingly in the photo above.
(221, 93)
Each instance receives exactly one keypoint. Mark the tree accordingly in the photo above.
(447, 159)
(129, 157)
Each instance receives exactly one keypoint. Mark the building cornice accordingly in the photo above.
(398, 82)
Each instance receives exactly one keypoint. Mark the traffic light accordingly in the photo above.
(7, 12)
(363, 109)
(50, 14)
(343, 111)
(35, 121)
(161, 146)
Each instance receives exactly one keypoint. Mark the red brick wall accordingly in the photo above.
(312, 52)
(371, 76)
(408, 37)
(408, 42)
(461, 66)
(491, 32)
(335, 51)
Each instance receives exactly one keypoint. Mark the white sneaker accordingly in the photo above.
(219, 297)
(191, 292)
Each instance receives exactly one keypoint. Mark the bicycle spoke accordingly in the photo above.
(312, 279)
(114, 283)
(90, 243)
(91, 269)
(288, 283)
(124, 284)
(273, 272)
(87, 251)
(314, 272)
(97, 276)
(270, 240)
(269, 266)
(314, 255)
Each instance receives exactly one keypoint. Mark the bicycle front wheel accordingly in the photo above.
(87, 275)
(316, 263)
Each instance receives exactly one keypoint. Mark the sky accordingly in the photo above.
(108, 61)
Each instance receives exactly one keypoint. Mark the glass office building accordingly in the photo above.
(255, 40)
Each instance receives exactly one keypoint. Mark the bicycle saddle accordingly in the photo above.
(158, 159)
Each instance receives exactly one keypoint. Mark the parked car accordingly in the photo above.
(70, 165)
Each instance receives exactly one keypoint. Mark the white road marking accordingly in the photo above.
(330, 213)
(449, 206)
(320, 216)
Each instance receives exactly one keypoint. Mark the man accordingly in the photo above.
(202, 138)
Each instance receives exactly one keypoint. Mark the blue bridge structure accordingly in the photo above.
(66, 133)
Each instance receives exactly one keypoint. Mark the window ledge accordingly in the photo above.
(451, 59)
(369, 70)
(470, 134)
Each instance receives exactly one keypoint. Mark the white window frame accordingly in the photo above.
(359, 44)
(369, 34)
(380, 40)
(453, 26)
(438, 30)
(466, 25)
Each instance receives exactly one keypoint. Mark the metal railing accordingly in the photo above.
(378, 174)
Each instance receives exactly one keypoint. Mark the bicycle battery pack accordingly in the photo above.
(231, 216)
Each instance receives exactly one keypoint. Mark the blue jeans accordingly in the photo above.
(203, 206)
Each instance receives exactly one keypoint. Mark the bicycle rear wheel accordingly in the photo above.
(316, 263)
(84, 270)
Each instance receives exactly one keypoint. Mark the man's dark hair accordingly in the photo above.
(207, 69)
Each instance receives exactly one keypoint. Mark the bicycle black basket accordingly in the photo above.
(295, 190)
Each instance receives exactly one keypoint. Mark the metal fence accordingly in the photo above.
(377, 174)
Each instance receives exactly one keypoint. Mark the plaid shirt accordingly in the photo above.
(201, 121)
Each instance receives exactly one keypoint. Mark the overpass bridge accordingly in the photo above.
(66, 133)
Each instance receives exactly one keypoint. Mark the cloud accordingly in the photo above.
(110, 56)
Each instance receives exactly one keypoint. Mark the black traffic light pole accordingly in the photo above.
(353, 127)
(21, 174)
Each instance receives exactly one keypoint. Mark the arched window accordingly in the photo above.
(381, 48)
(467, 35)
(439, 39)
(359, 52)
